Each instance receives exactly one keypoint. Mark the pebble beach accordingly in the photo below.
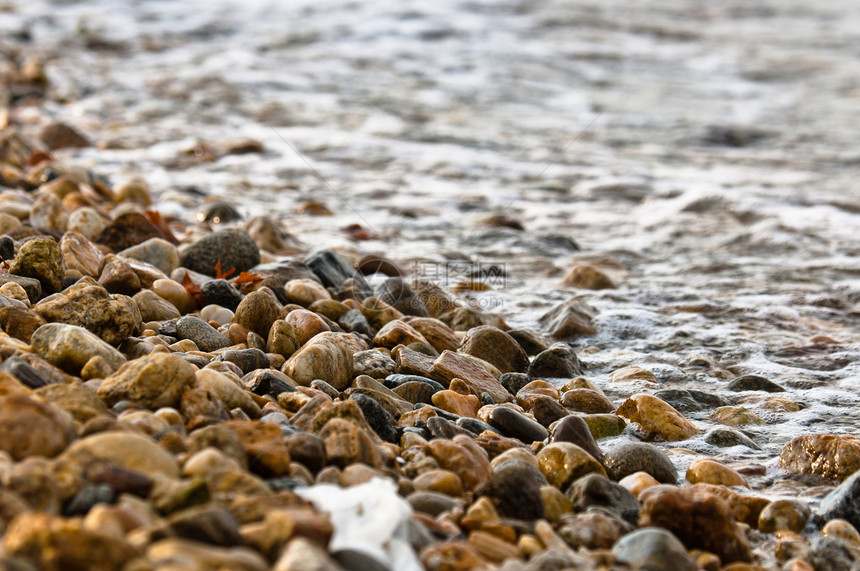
(399, 287)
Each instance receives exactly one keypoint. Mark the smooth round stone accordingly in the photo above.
(220, 292)
(784, 514)
(216, 314)
(559, 361)
(495, 347)
(442, 481)
(555, 503)
(227, 390)
(87, 221)
(246, 359)
(71, 347)
(15, 291)
(125, 449)
(175, 293)
(514, 382)
(563, 463)
(637, 482)
(218, 213)
(634, 457)
(653, 549)
(153, 307)
(206, 337)
(516, 425)
(440, 427)
(258, 311)
(282, 339)
(41, 259)
(547, 410)
(156, 252)
(586, 276)
(843, 530)
(726, 437)
(604, 425)
(464, 457)
(304, 291)
(573, 429)
(656, 417)
(306, 325)
(527, 394)
(456, 403)
(754, 383)
(475, 426)
(232, 249)
(432, 503)
(587, 401)
(355, 322)
(48, 213)
(118, 276)
(328, 356)
(736, 416)
(531, 341)
(153, 381)
(515, 490)
(594, 490)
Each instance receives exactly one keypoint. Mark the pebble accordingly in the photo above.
(327, 356)
(493, 345)
(258, 311)
(710, 471)
(474, 373)
(587, 401)
(176, 294)
(515, 490)
(62, 136)
(206, 337)
(656, 417)
(754, 383)
(653, 549)
(570, 319)
(638, 482)
(563, 463)
(152, 381)
(465, 458)
(604, 425)
(127, 230)
(559, 361)
(80, 254)
(127, 450)
(438, 334)
(397, 332)
(153, 307)
(230, 249)
(736, 416)
(42, 260)
(30, 427)
(88, 222)
(784, 514)
(70, 347)
(831, 456)
(216, 314)
(842, 503)
(117, 276)
(633, 457)
(305, 292)
(726, 437)
(516, 425)
(115, 319)
(691, 400)
(20, 322)
(397, 293)
(332, 270)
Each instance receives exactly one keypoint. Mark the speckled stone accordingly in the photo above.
(155, 251)
(726, 437)
(220, 292)
(784, 514)
(206, 337)
(41, 259)
(657, 417)
(514, 489)
(572, 318)
(232, 248)
(70, 347)
(594, 490)
(653, 549)
(559, 361)
(112, 317)
(832, 456)
(153, 381)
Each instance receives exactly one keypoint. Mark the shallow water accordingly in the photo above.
(706, 153)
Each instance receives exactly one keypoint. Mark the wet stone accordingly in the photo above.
(572, 318)
(397, 293)
(206, 337)
(117, 276)
(784, 514)
(690, 400)
(379, 419)
(516, 425)
(42, 260)
(440, 427)
(604, 425)
(475, 426)
(573, 429)
(515, 490)
(220, 292)
(587, 401)
(634, 457)
(127, 230)
(24, 372)
(564, 463)
(495, 347)
(514, 382)
(754, 383)
(831, 456)
(842, 503)
(531, 341)
(332, 270)
(586, 276)
(559, 361)
(833, 554)
(247, 360)
(547, 410)
(594, 490)
(726, 437)
(233, 249)
(653, 549)
(656, 417)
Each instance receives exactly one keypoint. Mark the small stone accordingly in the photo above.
(493, 345)
(397, 332)
(559, 361)
(843, 502)
(586, 276)
(88, 222)
(111, 317)
(438, 335)
(831, 456)
(637, 482)
(301, 554)
(327, 356)
(81, 403)
(127, 450)
(304, 291)
(531, 341)
(380, 420)
(80, 254)
(176, 294)
(633, 374)
(456, 403)
(587, 401)
(282, 339)
(332, 270)
(700, 520)
(604, 425)
(220, 292)
(378, 313)
(306, 324)
(153, 381)
(726, 437)
(118, 276)
(270, 236)
(30, 285)
(754, 383)
(547, 410)
(572, 318)
(156, 252)
(228, 391)
(257, 312)
(20, 322)
(450, 365)
(563, 463)
(346, 444)
(70, 347)
(165, 553)
(230, 249)
(833, 554)
(127, 230)
(573, 429)
(463, 457)
(784, 514)
(595, 491)
(246, 359)
(206, 337)
(736, 416)
(516, 425)
(843, 530)
(41, 259)
(710, 471)
(654, 550)
(656, 417)
(153, 307)
(634, 457)
(29, 427)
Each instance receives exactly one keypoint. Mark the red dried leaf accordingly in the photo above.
(219, 275)
(248, 278)
(156, 219)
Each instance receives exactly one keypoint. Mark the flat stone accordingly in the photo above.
(450, 365)
(153, 307)
(570, 319)
(726, 437)
(496, 347)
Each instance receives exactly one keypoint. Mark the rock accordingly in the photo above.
(547, 410)
(127, 450)
(726, 437)
(26, 373)
(831, 456)
(206, 337)
(396, 292)
(397, 332)
(450, 365)
(587, 401)
(211, 525)
(165, 553)
(176, 294)
(516, 425)
(634, 457)
(118, 276)
(153, 381)
(80, 254)
(710, 471)
(52, 543)
(305, 292)
(111, 317)
(496, 347)
(30, 427)
(306, 324)
(594, 491)
(456, 403)
(586, 276)
(438, 335)
(347, 444)
(257, 312)
(559, 361)
(463, 457)
(784, 514)
(153, 307)
(354, 321)
(653, 550)
(572, 318)
(327, 356)
(841, 529)
(230, 249)
(637, 482)
(593, 530)
(62, 136)
(699, 519)
(41, 259)
(833, 554)
(656, 417)
(690, 400)
(514, 382)
(736, 416)
(564, 463)
(514, 488)
(31, 285)
(379, 419)
(246, 359)
(220, 292)
(378, 313)
(80, 402)
(218, 213)
(134, 189)
(531, 341)
(70, 347)
(373, 363)
(87, 221)
(332, 270)
(604, 425)
(227, 391)
(633, 374)
(843, 502)
(432, 503)
(20, 322)
(573, 429)
(156, 252)
(754, 383)
(127, 230)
